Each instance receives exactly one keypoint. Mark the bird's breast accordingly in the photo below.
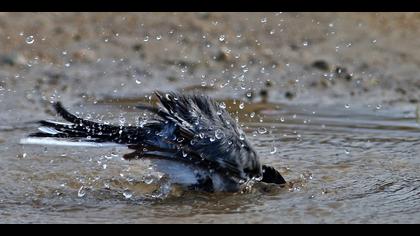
(191, 176)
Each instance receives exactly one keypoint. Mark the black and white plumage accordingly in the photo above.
(193, 139)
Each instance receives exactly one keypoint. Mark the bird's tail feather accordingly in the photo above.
(78, 128)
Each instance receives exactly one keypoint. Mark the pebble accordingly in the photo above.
(342, 73)
(289, 95)
(321, 65)
(12, 59)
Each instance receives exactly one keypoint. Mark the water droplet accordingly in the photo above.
(225, 84)
(64, 53)
(305, 44)
(212, 139)
(272, 32)
(264, 20)
(30, 39)
(241, 105)
(148, 180)
(180, 139)
(138, 81)
(219, 134)
(146, 39)
(241, 136)
(262, 130)
(24, 155)
(347, 152)
(122, 120)
(159, 37)
(221, 38)
(203, 84)
(347, 106)
(282, 119)
(184, 154)
(378, 107)
(104, 166)
(81, 192)
(222, 105)
(127, 194)
(193, 142)
(273, 150)
(306, 176)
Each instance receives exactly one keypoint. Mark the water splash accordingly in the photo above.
(30, 39)
(82, 192)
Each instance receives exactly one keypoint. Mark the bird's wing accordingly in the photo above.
(208, 131)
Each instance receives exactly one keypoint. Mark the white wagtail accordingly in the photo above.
(192, 139)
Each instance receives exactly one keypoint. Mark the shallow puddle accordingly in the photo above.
(357, 164)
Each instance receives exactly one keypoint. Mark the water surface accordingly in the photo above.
(344, 164)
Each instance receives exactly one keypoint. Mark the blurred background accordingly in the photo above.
(307, 57)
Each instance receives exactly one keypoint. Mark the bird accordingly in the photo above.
(191, 138)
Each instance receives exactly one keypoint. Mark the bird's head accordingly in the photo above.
(271, 175)
(255, 170)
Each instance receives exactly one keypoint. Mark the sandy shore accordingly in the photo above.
(320, 58)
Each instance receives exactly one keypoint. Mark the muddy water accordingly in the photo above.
(344, 164)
